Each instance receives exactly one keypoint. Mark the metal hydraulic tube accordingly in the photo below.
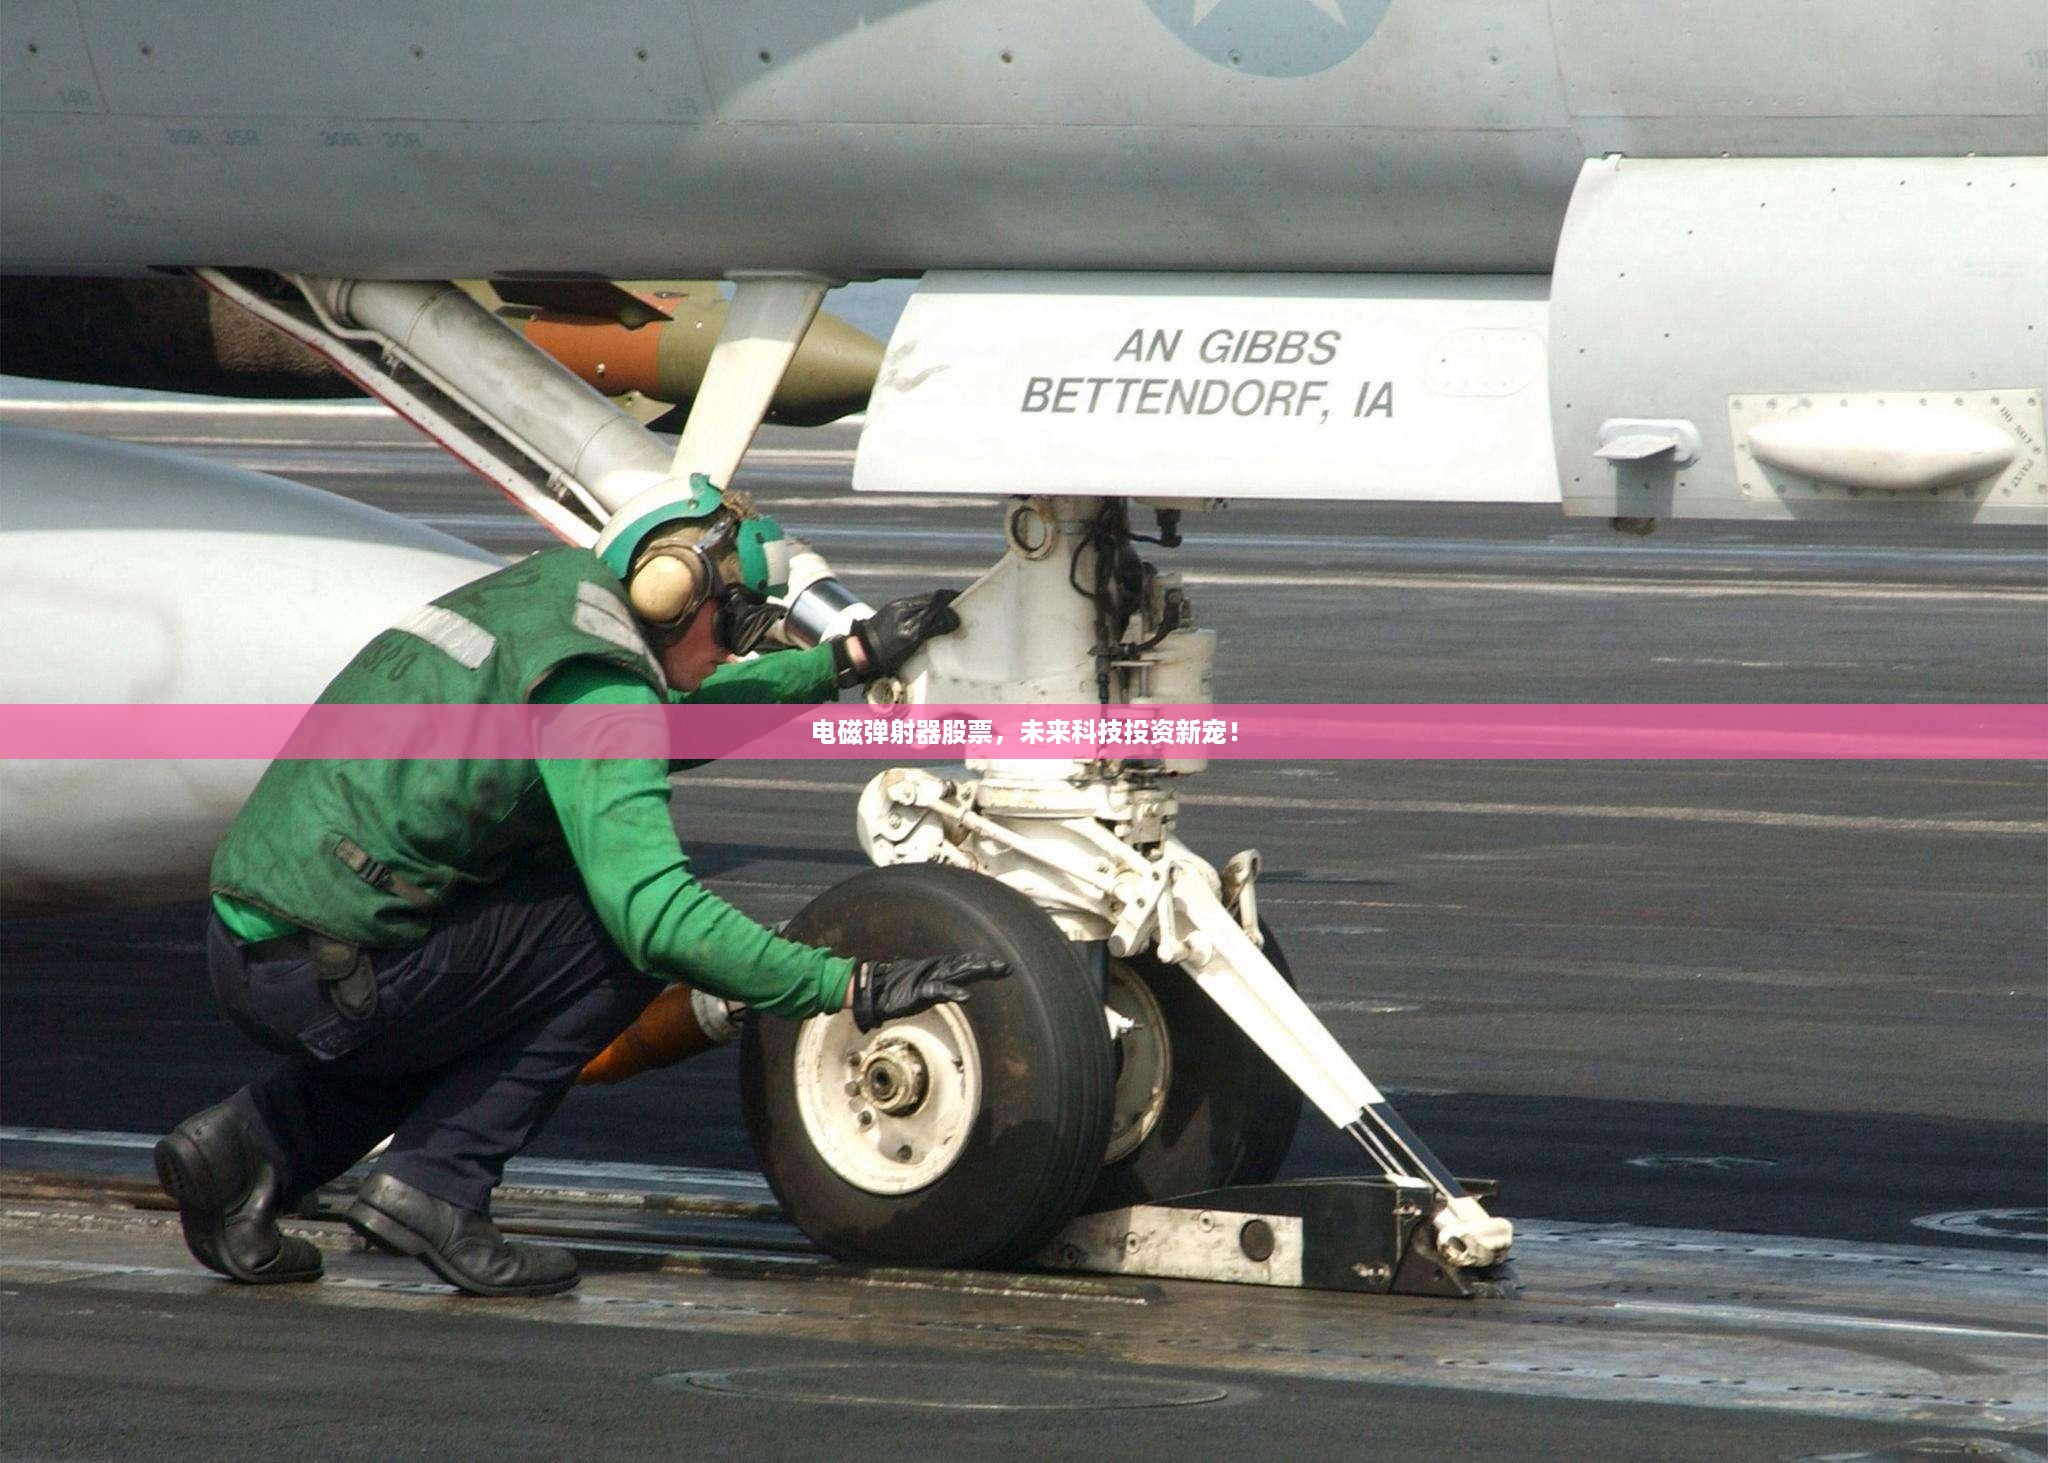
(1210, 943)
(476, 358)
(540, 405)
(819, 605)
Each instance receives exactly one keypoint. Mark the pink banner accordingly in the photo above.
(1249, 732)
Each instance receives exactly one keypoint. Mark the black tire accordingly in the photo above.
(1047, 1078)
(1230, 1114)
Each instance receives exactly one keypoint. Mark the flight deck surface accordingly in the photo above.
(701, 1310)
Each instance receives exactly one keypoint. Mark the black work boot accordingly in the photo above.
(460, 1245)
(227, 1196)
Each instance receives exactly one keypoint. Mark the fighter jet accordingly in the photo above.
(1725, 259)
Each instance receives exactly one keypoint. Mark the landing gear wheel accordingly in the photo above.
(967, 1135)
(1198, 1106)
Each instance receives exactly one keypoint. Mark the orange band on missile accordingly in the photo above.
(603, 352)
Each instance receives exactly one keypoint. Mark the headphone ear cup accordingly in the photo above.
(667, 587)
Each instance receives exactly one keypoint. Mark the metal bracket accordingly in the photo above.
(1240, 892)
(764, 325)
(1373, 1236)
(1634, 439)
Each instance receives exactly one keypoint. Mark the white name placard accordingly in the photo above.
(1403, 387)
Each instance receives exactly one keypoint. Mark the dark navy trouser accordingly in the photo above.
(479, 1032)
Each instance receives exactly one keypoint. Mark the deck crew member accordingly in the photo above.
(438, 946)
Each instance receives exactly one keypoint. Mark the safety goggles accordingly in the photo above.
(742, 618)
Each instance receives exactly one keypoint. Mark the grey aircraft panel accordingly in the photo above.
(1817, 59)
(514, 60)
(1759, 318)
(1470, 65)
(45, 66)
(626, 202)
(1757, 137)
(1244, 135)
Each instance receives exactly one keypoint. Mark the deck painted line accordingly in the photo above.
(1920, 1259)
(1825, 1320)
(38, 406)
(577, 1173)
(1624, 556)
(78, 1137)
(1647, 813)
(1529, 1233)
(519, 1170)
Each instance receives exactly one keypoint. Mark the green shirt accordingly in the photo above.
(614, 815)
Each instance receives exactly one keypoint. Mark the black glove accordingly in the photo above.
(882, 990)
(892, 634)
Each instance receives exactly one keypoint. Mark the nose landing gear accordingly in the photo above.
(1214, 1051)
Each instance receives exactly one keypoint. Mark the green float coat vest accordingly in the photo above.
(368, 851)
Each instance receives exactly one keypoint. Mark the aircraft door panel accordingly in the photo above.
(1851, 338)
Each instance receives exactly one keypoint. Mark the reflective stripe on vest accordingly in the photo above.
(600, 614)
(466, 642)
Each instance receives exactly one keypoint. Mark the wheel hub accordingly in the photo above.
(894, 1077)
(1144, 1062)
(892, 1112)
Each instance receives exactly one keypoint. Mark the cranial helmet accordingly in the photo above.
(678, 555)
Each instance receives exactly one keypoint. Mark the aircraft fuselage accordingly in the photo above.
(857, 139)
